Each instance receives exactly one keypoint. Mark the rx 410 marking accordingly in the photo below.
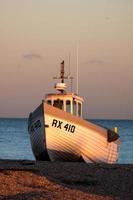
(61, 125)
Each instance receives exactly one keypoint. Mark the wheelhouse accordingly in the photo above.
(69, 102)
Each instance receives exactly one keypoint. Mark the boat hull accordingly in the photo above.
(59, 136)
(36, 130)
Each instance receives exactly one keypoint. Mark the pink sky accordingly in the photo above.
(35, 36)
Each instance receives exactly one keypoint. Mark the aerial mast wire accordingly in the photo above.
(77, 69)
(69, 73)
(69, 65)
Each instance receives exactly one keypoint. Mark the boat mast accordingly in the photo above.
(62, 72)
(62, 86)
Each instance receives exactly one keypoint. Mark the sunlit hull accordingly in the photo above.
(59, 136)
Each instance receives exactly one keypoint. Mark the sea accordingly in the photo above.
(15, 141)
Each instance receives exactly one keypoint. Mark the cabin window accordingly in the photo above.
(79, 109)
(68, 106)
(74, 107)
(49, 102)
(58, 104)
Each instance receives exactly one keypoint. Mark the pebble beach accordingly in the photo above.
(30, 180)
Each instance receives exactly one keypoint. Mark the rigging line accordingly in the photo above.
(77, 70)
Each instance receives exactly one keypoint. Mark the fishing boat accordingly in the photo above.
(58, 131)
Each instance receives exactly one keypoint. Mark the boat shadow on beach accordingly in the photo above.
(114, 181)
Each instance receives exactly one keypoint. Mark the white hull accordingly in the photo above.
(64, 137)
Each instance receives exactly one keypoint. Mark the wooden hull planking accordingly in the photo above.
(64, 137)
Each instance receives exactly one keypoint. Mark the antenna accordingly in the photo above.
(71, 81)
(77, 70)
(69, 65)
(69, 73)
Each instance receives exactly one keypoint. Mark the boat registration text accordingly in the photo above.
(61, 125)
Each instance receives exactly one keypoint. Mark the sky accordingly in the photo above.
(36, 35)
